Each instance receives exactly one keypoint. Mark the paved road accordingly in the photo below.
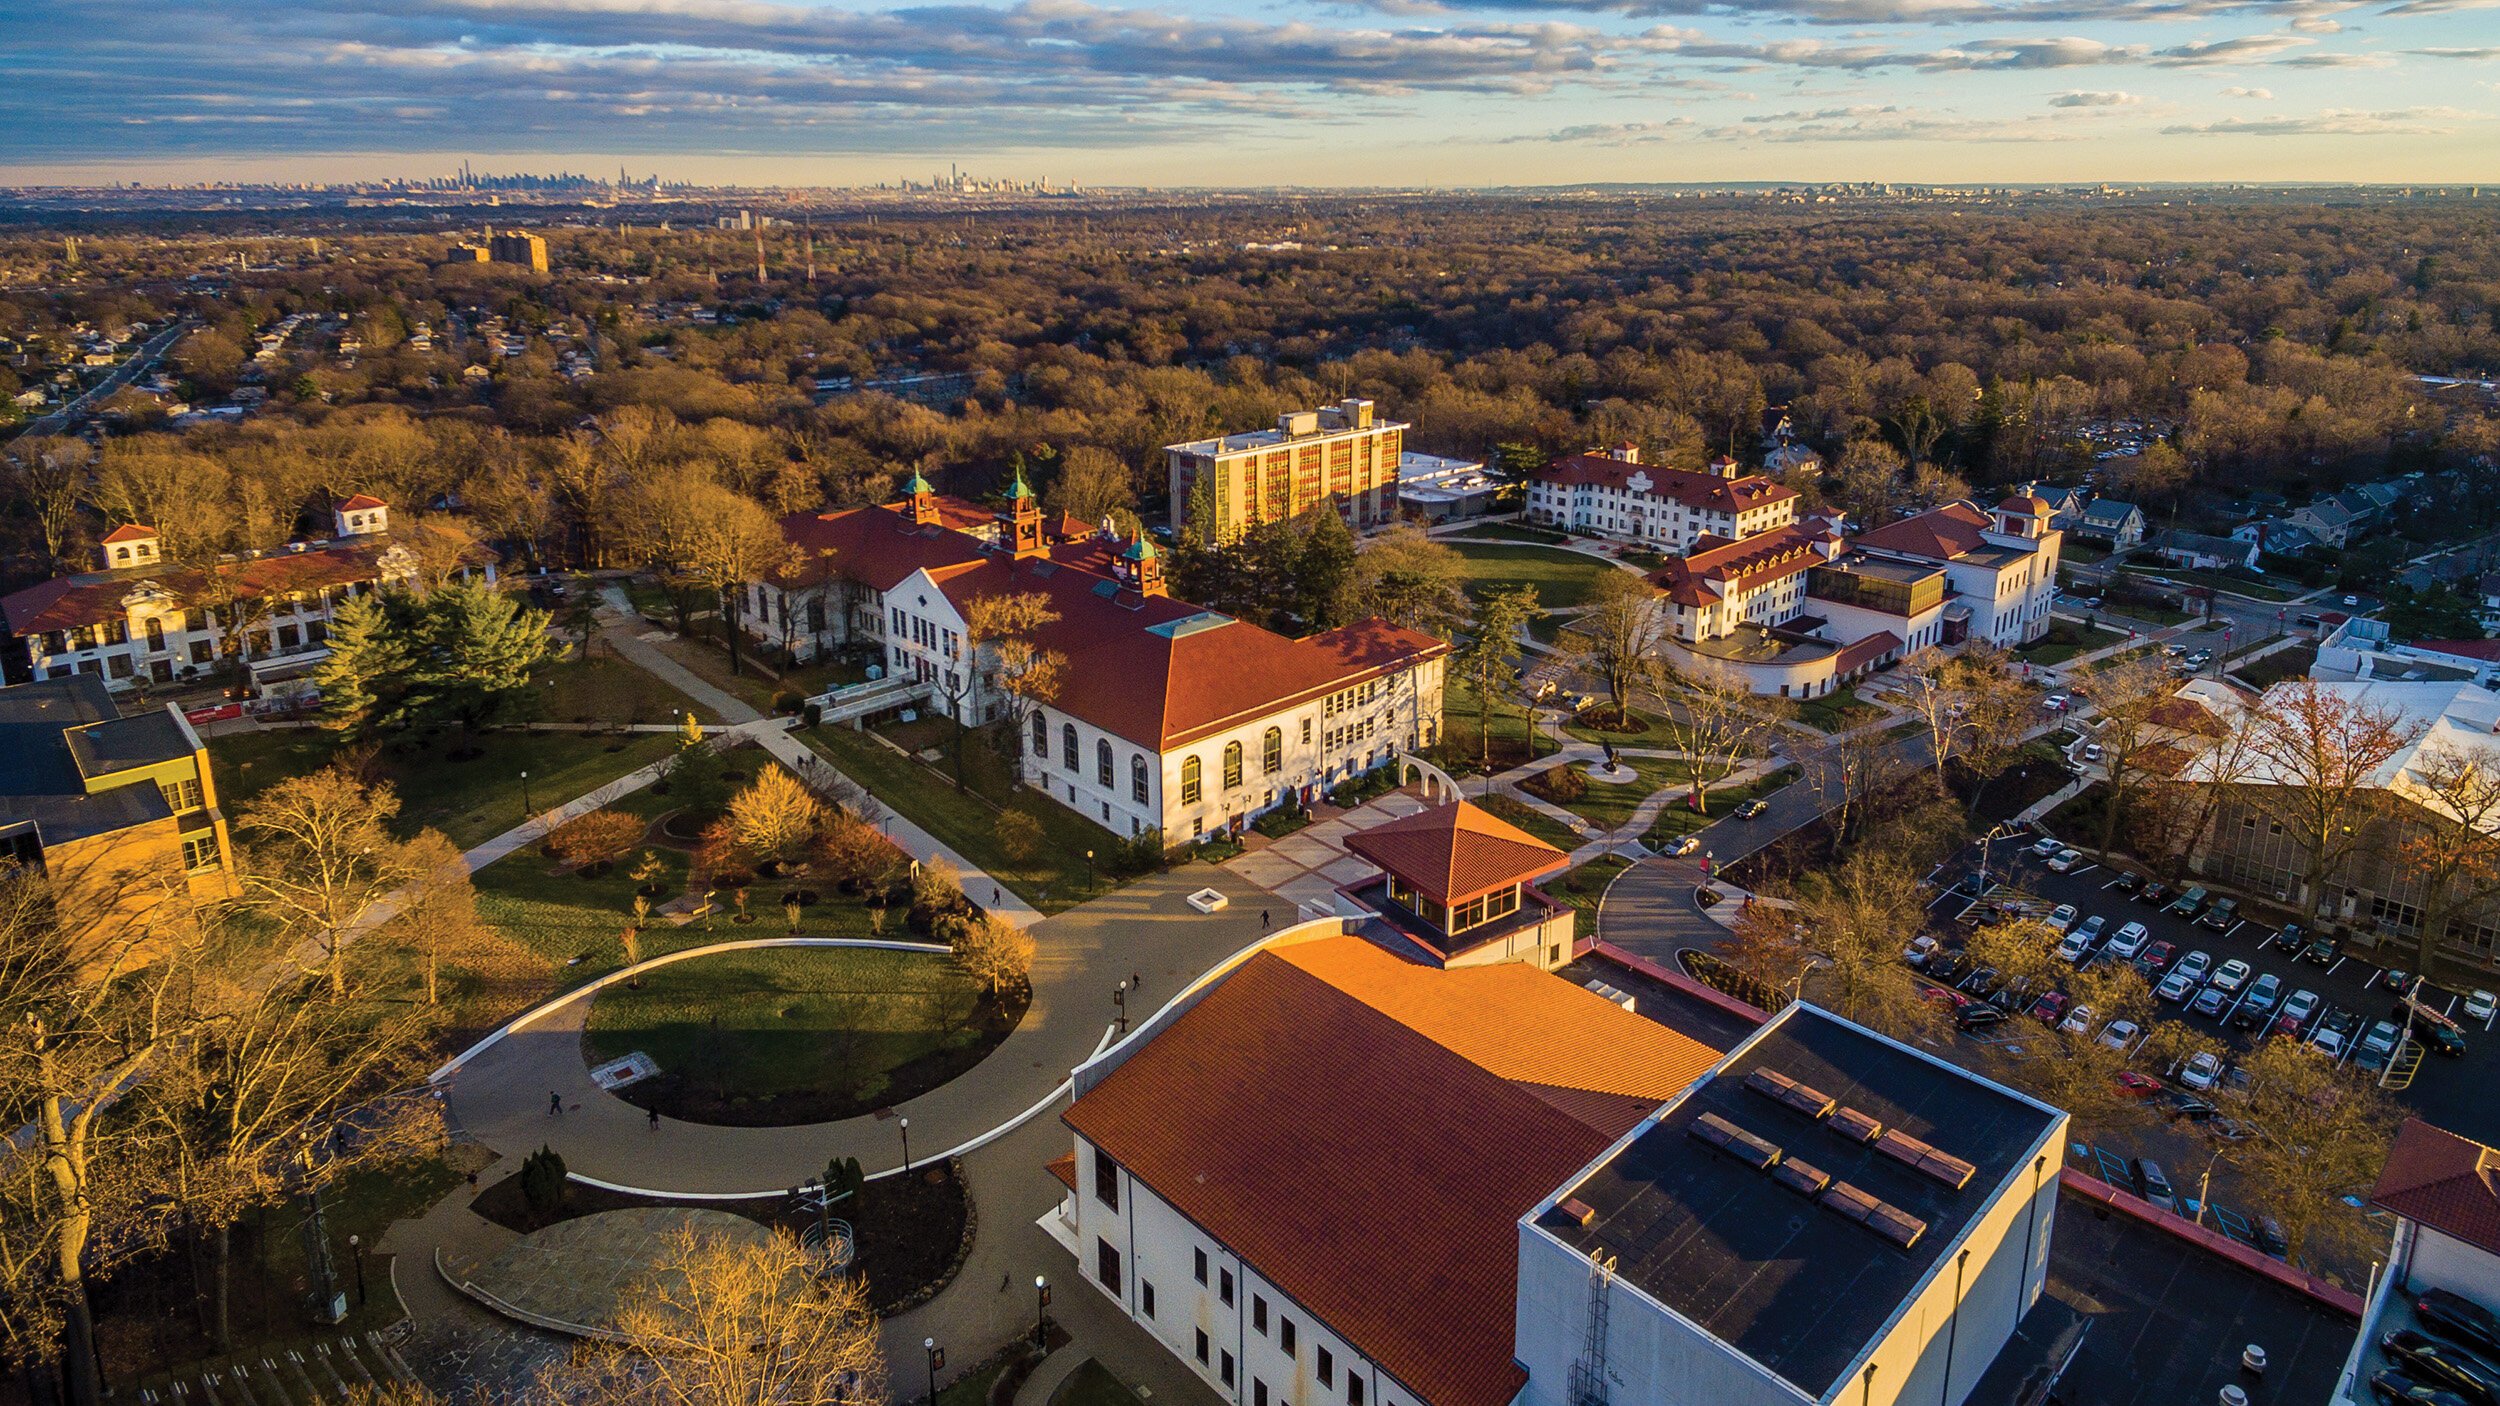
(499, 1098)
(69, 415)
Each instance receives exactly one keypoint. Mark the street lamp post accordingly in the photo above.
(356, 1249)
(527, 809)
(1089, 871)
(1119, 1003)
(2205, 1186)
(906, 1130)
(1041, 1312)
(937, 1359)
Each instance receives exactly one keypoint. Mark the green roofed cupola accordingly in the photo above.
(924, 508)
(1140, 568)
(1020, 520)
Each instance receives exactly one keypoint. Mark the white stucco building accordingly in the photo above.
(1613, 494)
(2000, 567)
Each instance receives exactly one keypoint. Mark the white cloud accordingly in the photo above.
(2263, 95)
(2089, 99)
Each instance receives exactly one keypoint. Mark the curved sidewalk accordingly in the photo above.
(1147, 930)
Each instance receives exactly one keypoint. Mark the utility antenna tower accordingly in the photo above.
(1588, 1375)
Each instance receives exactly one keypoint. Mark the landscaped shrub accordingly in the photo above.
(595, 839)
(1561, 785)
(542, 1182)
(1141, 853)
(1280, 821)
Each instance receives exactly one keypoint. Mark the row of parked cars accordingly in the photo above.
(2452, 1359)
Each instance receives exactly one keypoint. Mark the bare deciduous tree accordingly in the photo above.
(2316, 758)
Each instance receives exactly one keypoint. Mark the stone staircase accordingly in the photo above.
(326, 1370)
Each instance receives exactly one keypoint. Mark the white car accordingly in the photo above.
(2062, 917)
(2046, 845)
(2234, 975)
(2078, 1021)
(2065, 861)
(2091, 927)
(2129, 941)
(2091, 751)
(2176, 987)
(2120, 1035)
(2202, 1071)
(2055, 702)
(2074, 947)
(1921, 950)
(2481, 1005)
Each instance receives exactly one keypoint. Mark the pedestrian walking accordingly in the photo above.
(655, 1120)
(555, 1103)
(1262, 920)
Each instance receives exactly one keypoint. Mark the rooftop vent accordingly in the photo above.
(1804, 1178)
(1926, 1160)
(1856, 1126)
(1890, 1222)
(1578, 1212)
(1754, 1152)
(1788, 1093)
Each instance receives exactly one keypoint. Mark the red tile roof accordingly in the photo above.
(360, 503)
(2462, 649)
(1307, 1114)
(1867, 650)
(1714, 567)
(1063, 1168)
(130, 532)
(879, 546)
(1709, 492)
(94, 597)
(1939, 533)
(2449, 1183)
(1457, 852)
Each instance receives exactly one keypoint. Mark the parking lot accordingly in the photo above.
(2445, 1090)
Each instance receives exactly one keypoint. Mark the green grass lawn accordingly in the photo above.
(1507, 726)
(1535, 822)
(775, 1023)
(469, 800)
(1548, 629)
(2065, 640)
(1835, 712)
(1584, 887)
(1675, 822)
(1515, 532)
(1608, 807)
(1561, 578)
(1093, 1385)
(1052, 878)
(602, 689)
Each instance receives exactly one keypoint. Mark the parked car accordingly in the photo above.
(2428, 1359)
(2459, 1319)
(2270, 1237)
(1690, 844)
(2321, 950)
(2062, 917)
(2232, 975)
(2481, 1005)
(2056, 702)
(2154, 891)
(2399, 981)
(2119, 1034)
(2203, 1070)
(2229, 1130)
(2442, 1039)
(2174, 988)
(2046, 845)
(2332, 1035)
(1948, 966)
(2127, 881)
(1977, 1016)
(2155, 958)
(2155, 1186)
(2132, 1084)
(2129, 940)
(2091, 751)
(2378, 1045)
(2288, 938)
(2189, 903)
(2297, 1011)
(1980, 982)
(2065, 861)
(2194, 966)
(1753, 809)
(1944, 996)
(2210, 1001)
(2091, 927)
(2394, 1388)
(2220, 917)
(1922, 948)
(2188, 1108)
(2048, 1008)
(2258, 1005)
(2074, 947)
(2078, 1021)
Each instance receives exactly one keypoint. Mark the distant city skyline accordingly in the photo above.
(1448, 93)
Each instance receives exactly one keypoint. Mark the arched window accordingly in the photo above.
(1067, 746)
(1232, 765)
(1189, 781)
(1137, 778)
(1272, 751)
(1102, 763)
(1041, 736)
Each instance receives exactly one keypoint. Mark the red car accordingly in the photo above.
(2051, 1009)
(2133, 1085)
(1943, 996)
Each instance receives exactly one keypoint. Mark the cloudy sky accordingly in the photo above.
(1245, 92)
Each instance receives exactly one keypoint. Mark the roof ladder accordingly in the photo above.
(1588, 1375)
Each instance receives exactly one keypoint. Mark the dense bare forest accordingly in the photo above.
(1919, 347)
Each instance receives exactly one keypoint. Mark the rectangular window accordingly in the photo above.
(1353, 1390)
(1284, 1334)
(1107, 1265)
(1327, 1366)
(1106, 1179)
(181, 795)
(1201, 1265)
(1258, 1312)
(1225, 1369)
(1258, 1392)
(1202, 1347)
(1224, 1289)
(200, 851)
(1146, 1297)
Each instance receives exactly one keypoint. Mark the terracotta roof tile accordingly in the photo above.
(361, 502)
(1939, 533)
(1457, 851)
(93, 597)
(1301, 1114)
(1715, 566)
(1063, 1168)
(130, 532)
(2447, 1182)
(1710, 492)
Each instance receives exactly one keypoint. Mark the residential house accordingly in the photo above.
(2200, 551)
(2328, 520)
(2109, 521)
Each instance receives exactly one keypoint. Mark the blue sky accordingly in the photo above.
(1363, 92)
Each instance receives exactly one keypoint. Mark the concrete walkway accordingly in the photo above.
(1146, 930)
